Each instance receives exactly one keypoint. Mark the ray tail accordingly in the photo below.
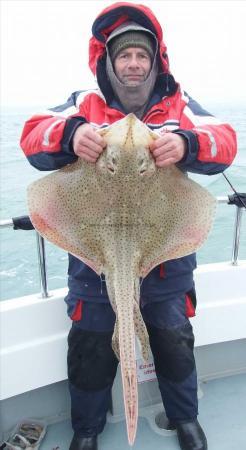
(124, 297)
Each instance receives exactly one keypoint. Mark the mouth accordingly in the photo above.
(135, 77)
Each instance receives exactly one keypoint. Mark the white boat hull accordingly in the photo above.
(34, 343)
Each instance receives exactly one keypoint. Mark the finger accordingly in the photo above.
(90, 145)
(165, 163)
(169, 153)
(163, 150)
(84, 150)
(165, 142)
(87, 157)
(95, 137)
(162, 140)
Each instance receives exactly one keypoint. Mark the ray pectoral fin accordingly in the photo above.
(40, 223)
(183, 246)
(183, 219)
(48, 230)
(43, 226)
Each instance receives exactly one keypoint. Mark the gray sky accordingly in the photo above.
(44, 48)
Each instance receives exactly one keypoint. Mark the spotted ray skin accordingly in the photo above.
(123, 216)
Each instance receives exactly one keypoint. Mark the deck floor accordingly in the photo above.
(222, 415)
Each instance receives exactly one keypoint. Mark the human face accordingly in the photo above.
(132, 66)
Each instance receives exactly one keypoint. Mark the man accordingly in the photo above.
(129, 58)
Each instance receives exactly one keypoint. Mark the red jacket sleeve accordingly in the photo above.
(44, 140)
(212, 145)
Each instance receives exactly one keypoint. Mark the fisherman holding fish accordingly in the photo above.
(129, 58)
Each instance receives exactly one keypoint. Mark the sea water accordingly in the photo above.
(19, 269)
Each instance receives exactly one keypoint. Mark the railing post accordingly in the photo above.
(42, 265)
(236, 238)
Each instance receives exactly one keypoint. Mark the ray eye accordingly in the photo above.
(142, 162)
(114, 160)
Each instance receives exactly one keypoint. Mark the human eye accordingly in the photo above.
(144, 56)
(123, 55)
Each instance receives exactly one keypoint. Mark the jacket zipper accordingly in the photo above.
(146, 118)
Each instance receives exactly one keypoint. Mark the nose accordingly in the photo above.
(133, 61)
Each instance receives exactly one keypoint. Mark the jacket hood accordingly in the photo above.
(115, 15)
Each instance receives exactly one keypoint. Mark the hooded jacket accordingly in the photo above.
(211, 145)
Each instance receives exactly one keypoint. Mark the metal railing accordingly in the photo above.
(12, 223)
(24, 223)
(230, 200)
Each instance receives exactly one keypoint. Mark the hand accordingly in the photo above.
(87, 143)
(168, 149)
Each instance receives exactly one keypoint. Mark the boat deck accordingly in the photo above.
(222, 415)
